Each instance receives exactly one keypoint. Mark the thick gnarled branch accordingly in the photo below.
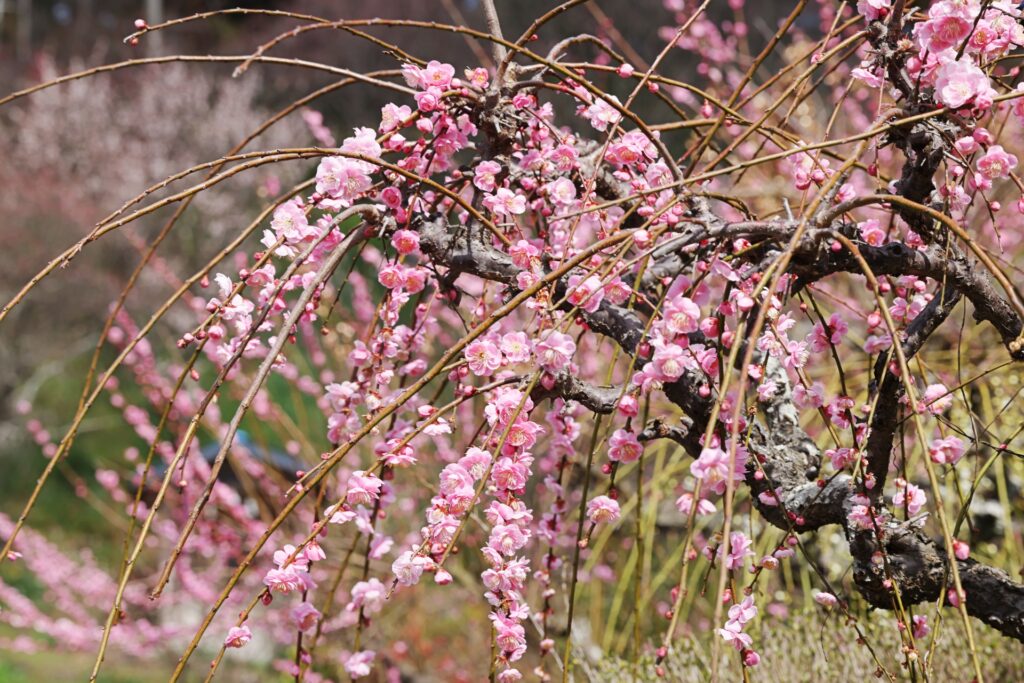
(597, 399)
(785, 482)
(918, 566)
(942, 264)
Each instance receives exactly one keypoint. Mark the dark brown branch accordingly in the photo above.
(456, 247)
(598, 399)
(890, 388)
(918, 566)
(684, 435)
(790, 462)
(945, 263)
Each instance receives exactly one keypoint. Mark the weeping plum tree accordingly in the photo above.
(565, 337)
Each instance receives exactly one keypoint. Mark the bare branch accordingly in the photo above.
(494, 27)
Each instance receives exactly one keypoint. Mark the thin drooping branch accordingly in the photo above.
(323, 273)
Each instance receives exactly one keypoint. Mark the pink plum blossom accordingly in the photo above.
(873, 10)
(484, 358)
(555, 351)
(484, 175)
(947, 450)
(305, 616)
(960, 82)
(363, 488)
(826, 599)
(623, 446)
(238, 636)
(505, 202)
(360, 664)
(603, 510)
(586, 293)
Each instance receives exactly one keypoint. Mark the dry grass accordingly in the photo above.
(813, 648)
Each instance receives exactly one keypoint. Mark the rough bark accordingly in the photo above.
(785, 460)
(789, 458)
